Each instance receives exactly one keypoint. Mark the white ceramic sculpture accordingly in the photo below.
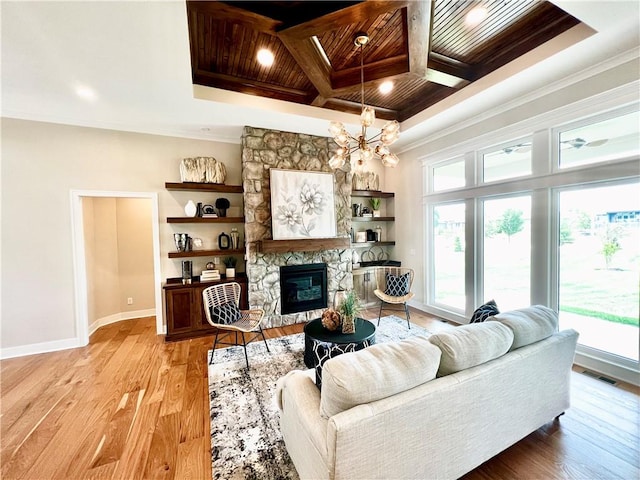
(365, 181)
(202, 170)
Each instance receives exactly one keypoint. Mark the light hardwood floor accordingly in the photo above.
(130, 406)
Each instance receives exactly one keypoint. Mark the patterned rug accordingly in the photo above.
(245, 433)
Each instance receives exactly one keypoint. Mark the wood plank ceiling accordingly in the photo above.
(427, 49)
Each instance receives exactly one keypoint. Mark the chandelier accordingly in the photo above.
(377, 145)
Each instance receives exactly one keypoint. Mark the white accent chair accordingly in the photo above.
(248, 321)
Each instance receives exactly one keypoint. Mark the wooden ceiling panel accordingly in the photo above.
(225, 37)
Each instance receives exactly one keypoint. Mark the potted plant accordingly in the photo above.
(221, 206)
(375, 205)
(230, 264)
(349, 309)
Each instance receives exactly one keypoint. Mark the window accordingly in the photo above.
(599, 266)
(509, 161)
(449, 175)
(448, 255)
(568, 238)
(610, 139)
(507, 252)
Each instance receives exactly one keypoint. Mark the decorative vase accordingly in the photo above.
(235, 239)
(187, 268)
(180, 240)
(376, 213)
(222, 212)
(230, 272)
(190, 209)
(348, 324)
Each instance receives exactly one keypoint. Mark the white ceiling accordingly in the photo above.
(135, 56)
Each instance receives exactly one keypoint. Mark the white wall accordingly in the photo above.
(119, 258)
(41, 163)
(407, 179)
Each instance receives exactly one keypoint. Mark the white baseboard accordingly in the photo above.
(608, 369)
(35, 348)
(56, 345)
(118, 317)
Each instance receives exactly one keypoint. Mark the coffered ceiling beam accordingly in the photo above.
(419, 21)
(387, 67)
(252, 87)
(448, 72)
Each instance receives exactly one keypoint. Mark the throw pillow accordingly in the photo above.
(470, 345)
(396, 285)
(530, 324)
(376, 372)
(225, 314)
(485, 311)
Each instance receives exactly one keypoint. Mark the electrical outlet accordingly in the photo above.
(130, 301)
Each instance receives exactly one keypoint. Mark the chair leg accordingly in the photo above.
(215, 342)
(265, 340)
(244, 344)
(380, 312)
(406, 310)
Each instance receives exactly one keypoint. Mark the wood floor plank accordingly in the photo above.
(194, 460)
(134, 458)
(162, 461)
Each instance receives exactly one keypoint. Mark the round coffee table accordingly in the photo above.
(320, 344)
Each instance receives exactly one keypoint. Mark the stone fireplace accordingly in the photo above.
(265, 149)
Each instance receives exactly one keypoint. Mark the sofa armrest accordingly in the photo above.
(303, 429)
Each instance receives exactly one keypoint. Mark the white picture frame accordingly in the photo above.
(302, 204)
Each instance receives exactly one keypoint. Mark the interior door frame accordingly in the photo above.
(79, 260)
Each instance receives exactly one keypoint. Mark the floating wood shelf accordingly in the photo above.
(373, 219)
(304, 245)
(372, 193)
(203, 187)
(204, 253)
(371, 244)
(205, 220)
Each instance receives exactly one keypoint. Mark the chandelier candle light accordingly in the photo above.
(367, 147)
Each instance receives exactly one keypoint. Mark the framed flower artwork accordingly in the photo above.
(302, 204)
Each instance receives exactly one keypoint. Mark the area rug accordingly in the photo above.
(245, 432)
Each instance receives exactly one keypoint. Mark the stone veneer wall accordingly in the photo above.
(265, 149)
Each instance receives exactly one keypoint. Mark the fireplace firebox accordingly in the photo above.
(303, 287)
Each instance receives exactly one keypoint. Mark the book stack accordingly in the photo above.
(209, 275)
(209, 215)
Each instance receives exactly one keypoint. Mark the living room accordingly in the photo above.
(53, 145)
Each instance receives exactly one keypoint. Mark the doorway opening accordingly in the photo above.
(114, 252)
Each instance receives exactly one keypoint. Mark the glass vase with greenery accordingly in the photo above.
(349, 309)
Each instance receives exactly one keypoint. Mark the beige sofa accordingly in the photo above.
(428, 408)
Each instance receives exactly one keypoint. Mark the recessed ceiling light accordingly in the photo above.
(86, 93)
(475, 16)
(265, 57)
(385, 87)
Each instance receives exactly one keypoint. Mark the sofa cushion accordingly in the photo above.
(483, 312)
(376, 372)
(530, 324)
(470, 345)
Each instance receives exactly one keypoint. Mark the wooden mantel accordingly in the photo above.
(303, 245)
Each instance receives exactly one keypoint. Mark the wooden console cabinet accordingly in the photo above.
(184, 309)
